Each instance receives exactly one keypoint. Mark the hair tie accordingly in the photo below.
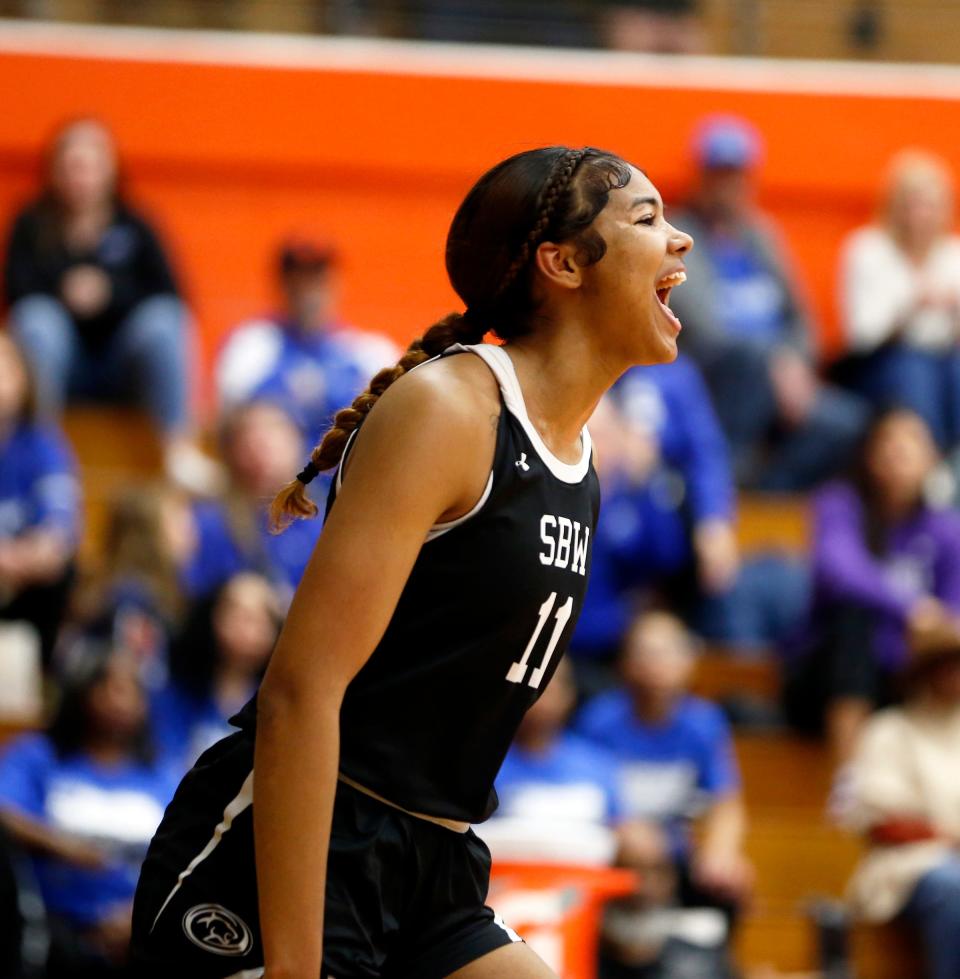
(309, 473)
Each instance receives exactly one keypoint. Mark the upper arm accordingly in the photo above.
(425, 452)
(719, 773)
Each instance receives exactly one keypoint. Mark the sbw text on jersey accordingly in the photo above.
(566, 543)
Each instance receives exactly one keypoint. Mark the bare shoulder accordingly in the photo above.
(456, 394)
(441, 419)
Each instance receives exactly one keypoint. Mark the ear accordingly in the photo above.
(558, 264)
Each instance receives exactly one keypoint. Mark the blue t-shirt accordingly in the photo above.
(185, 724)
(316, 374)
(667, 772)
(572, 780)
(38, 483)
(672, 403)
(220, 554)
(749, 297)
(644, 534)
(117, 809)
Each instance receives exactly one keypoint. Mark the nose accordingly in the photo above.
(680, 241)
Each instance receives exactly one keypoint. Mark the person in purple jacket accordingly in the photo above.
(886, 564)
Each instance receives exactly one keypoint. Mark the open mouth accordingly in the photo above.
(665, 286)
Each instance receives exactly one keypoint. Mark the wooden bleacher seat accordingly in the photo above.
(784, 771)
(722, 673)
(773, 522)
(115, 447)
(798, 855)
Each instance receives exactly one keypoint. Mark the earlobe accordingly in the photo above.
(558, 265)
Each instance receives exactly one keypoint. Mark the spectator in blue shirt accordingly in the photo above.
(552, 774)
(667, 533)
(668, 504)
(261, 445)
(85, 799)
(215, 667)
(303, 355)
(676, 766)
(746, 325)
(39, 506)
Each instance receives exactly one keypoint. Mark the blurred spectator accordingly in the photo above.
(93, 302)
(552, 774)
(677, 765)
(661, 26)
(900, 295)
(303, 356)
(85, 798)
(215, 666)
(262, 446)
(39, 507)
(668, 531)
(745, 324)
(904, 795)
(138, 597)
(884, 561)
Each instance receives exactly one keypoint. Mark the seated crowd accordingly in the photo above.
(149, 645)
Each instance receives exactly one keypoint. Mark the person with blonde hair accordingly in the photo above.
(905, 800)
(900, 296)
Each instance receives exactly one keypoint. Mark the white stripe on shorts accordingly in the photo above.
(247, 974)
(242, 800)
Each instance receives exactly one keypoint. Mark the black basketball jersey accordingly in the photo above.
(487, 611)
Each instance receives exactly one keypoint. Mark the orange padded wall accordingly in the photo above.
(227, 157)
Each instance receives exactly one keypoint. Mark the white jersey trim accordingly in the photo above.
(439, 529)
(241, 801)
(500, 364)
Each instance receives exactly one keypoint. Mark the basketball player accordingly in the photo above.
(442, 591)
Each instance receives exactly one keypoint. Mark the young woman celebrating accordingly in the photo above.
(446, 582)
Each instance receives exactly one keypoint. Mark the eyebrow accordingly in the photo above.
(638, 201)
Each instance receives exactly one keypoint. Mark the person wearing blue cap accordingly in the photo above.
(746, 324)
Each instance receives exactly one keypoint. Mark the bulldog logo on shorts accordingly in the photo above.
(215, 929)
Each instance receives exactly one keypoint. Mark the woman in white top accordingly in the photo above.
(900, 296)
(905, 799)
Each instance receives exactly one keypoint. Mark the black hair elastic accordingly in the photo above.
(309, 473)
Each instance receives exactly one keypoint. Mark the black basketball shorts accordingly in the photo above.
(404, 898)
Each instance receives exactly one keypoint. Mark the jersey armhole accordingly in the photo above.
(438, 529)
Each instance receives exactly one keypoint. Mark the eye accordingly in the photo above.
(648, 220)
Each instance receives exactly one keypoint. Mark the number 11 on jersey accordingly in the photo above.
(518, 670)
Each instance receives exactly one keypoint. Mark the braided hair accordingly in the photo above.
(549, 194)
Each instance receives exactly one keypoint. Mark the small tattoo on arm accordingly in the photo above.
(494, 421)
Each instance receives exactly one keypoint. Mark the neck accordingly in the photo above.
(106, 750)
(232, 684)
(536, 742)
(563, 373)
(652, 708)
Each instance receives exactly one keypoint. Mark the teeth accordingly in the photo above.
(674, 279)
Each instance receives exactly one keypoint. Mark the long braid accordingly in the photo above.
(292, 501)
